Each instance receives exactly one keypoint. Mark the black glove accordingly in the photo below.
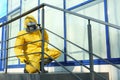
(26, 61)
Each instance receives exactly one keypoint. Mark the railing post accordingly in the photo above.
(90, 50)
(42, 55)
(6, 61)
(6, 55)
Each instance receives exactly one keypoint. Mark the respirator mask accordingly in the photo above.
(31, 26)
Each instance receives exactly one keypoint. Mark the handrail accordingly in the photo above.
(88, 18)
(49, 56)
(61, 38)
(84, 49)
(76, 60)
(83, 16)
(67, 11)
(63, 65)
(56, 48)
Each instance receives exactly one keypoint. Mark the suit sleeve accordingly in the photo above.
(46, 38)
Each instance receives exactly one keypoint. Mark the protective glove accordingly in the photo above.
(24, 60)
(46, 49)
(47, 61)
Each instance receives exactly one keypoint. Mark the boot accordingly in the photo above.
(47, 61)
(44, 71)
(25, 71)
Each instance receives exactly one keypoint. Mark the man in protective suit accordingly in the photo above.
(23, 46)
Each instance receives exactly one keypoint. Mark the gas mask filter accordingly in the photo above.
(31, 26)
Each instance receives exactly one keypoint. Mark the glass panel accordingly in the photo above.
(3, 8)
(13, 31)
(113, 11)
(115, 43)
(58, 3)
(71, 3)
(77, 31)
(28, 4)
(54, 23)
(113, 14)
(13, 4)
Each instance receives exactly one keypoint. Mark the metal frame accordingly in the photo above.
(3, 44)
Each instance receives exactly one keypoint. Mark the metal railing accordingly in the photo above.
(91, 54)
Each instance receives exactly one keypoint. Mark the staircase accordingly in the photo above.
(51, 76)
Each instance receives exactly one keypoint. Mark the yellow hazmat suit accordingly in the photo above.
(27, 49)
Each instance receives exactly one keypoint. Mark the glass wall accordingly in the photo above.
(77, 31)
(78, 26)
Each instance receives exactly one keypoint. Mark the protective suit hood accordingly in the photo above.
(30, 23)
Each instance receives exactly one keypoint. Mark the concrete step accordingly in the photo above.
(51, 76)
